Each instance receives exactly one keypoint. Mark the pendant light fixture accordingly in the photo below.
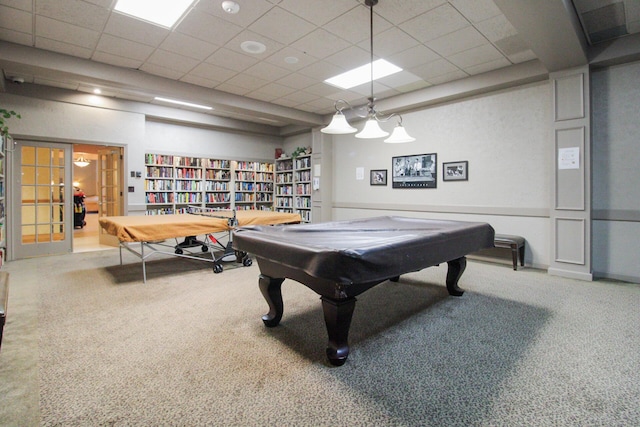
(371, 130)
(81, 162)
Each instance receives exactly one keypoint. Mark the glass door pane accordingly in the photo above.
(41, 210)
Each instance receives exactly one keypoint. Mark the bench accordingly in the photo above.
(4, 299)
(515, 243)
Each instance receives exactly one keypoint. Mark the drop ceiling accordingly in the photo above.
(79, 45)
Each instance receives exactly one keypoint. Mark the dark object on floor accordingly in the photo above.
(515, 243)
(79, 210)
(340, 260)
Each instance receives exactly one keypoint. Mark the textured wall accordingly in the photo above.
(615, 94)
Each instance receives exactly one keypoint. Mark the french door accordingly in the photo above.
(41, 200)
(110, 188)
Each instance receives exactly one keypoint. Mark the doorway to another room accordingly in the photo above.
(97, 184)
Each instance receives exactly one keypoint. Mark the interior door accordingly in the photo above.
(42, 202)
(110, 192)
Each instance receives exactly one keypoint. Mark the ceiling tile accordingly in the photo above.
(230, 88)
(66, 33)
(320, 44)
(319, 12)
(62, 47)
(321, 70)
(135, 30)
(18, 4)
(435, 23)
(353, 26)
(433, 69)
(409, 9)
(475, 56)
(250, 11)
(116, 60)
(16, 20)
(16, 37)
(496, 28)
(275, 90)
(199, 81)
(262, 69)
(157, 70)
(188, 46)
(231, 60)
(208, 28)
(212, 72)
(246, 81)
(297, 81)
(171, 61)
(122, 47)
(476, 10)
(279, 58)
(350, 57)
(76, 12)
(413, 57)
(272, 45)
(457, 41)
(272, 25)
(389, 42)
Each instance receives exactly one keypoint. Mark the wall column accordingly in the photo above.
(322, 172)
(570, 235)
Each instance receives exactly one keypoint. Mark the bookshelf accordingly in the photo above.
(284, 185)
(217, 184)
(302, 187)
(173, 183)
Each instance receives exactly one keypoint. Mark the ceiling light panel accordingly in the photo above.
(362, 74)
(160, 12)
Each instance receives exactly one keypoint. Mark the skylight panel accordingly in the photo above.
(160, 12)
(361, 75)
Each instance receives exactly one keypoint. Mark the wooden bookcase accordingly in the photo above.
(173, 183)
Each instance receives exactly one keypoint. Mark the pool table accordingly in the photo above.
(340, 260)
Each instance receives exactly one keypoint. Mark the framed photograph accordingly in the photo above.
(379, 177)
(455, 171)
(415, 171)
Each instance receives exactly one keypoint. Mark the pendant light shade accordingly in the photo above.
(81, 162)
(399, 135)
(339, 125)
(371, 130)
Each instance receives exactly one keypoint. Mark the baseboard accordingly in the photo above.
(571, 274)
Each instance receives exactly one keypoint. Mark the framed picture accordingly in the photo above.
(455, 171)
(415, 171)
(379, 177)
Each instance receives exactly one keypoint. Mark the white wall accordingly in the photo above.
(67, 122)
(503, 135)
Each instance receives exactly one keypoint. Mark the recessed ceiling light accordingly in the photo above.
(291, 60)
(160, 12)
(186, 104)
(230, 7)
(361, 75)
(253, 47)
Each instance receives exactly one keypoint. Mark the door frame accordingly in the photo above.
(13, 196)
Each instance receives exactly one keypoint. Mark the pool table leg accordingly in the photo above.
(456, 268)
(272, 292)
(337, 317)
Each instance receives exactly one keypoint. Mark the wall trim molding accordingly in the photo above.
(570, 274)
(450, 209)
(627, 215)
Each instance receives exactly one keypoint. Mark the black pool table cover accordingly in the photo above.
(341, 259)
